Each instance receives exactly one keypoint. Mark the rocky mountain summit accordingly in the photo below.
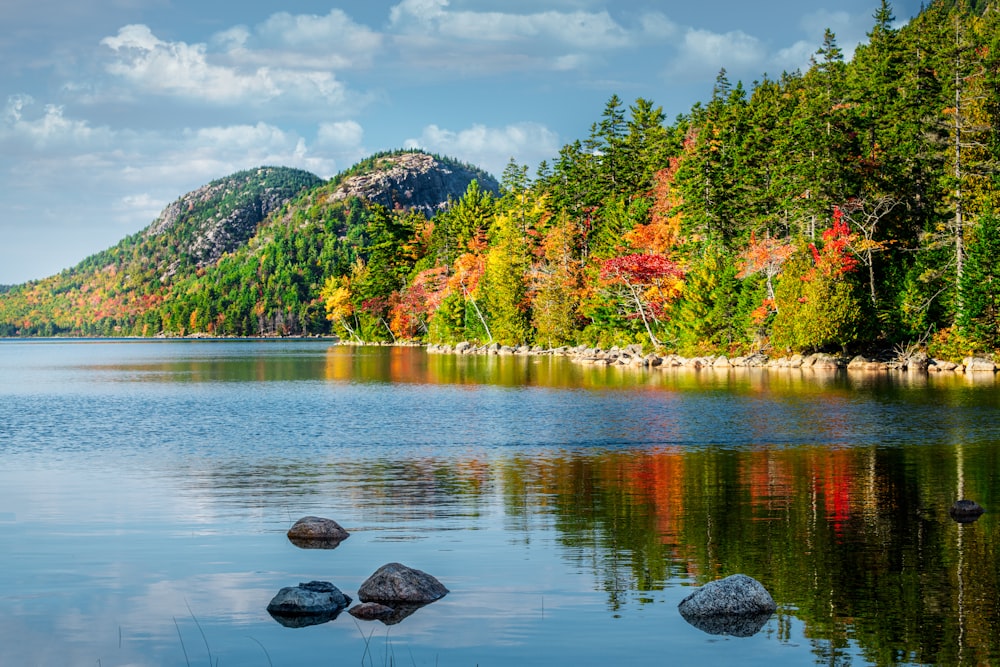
(412, 180)
(219, 217)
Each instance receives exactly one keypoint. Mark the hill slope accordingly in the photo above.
(132, 287)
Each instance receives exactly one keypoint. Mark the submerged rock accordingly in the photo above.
(738, 605)
(371, 611)
(313, 532)
(395, 582)
(966, 511)
(307, 604)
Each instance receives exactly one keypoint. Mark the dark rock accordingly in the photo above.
(312, 532)
(401, 611)
(303, 620)
(735, 606)
(394, 582)
(371, 611)
(966, 511)
(315, 544)
(318, 599)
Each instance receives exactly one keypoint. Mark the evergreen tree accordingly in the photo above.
(979, 320)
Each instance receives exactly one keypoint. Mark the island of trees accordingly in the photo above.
(848, 207)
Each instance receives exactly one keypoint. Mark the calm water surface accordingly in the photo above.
(146, 488)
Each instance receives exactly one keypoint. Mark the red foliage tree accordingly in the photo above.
(835, 258)
(648, 282)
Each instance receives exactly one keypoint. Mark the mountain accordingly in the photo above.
(220, 217)
(411, 180)
(142, 283)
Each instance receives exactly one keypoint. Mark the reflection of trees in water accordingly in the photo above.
(857, 541)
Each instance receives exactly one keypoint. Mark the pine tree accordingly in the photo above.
(979, 319)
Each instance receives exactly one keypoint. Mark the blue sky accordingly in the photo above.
(114, 108)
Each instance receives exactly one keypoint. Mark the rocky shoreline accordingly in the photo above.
(634, 356)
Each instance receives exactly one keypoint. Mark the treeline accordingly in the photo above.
(851, 206)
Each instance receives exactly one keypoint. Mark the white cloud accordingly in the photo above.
(658, 26)
(47, 129)
(343, 134)
(138, 206)
(189, 71)
(491, 148)
(703, 53)
(177, 68)
(422, 11)
(794, 57)
(336, 30)
(233, 39)
(580, 29)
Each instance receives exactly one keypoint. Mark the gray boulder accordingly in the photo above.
(738, 605)
(918, 361)
(307, 604)
(979, 365)
(312, 532)
(395, 582)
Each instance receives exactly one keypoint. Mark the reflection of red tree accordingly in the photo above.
(658, 480)
(833, 477)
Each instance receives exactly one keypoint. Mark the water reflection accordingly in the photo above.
(560, 499)
(856, 542)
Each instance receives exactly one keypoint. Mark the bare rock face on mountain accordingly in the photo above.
(413, 181)
(219, 217)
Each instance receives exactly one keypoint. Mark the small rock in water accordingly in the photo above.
(307, 604)
(312, 532)
(395, 582)
(966, 511)
(738, 605)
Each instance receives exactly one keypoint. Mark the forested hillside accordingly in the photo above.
(850, 206)
(115, 291)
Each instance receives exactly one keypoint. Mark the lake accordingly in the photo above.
(146, 489)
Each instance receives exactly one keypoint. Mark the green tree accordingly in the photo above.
(820, 302)
(504, 288)
(557, 285)
(979, 319)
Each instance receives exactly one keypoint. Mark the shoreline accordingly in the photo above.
(633, 356)
(629, 356)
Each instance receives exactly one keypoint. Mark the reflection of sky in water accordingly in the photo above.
(146, 485)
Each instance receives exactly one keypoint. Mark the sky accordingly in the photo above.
(112, 109)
